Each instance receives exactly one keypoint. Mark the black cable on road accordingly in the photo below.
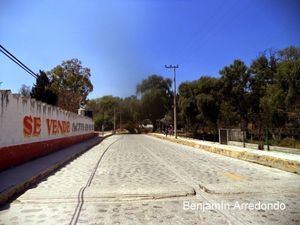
(17, 61)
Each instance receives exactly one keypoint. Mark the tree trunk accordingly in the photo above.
(195, 130)
(154, 125)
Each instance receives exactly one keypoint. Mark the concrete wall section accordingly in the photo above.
(29, 128)
(25, 120)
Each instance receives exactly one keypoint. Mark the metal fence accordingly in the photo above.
(285, 140)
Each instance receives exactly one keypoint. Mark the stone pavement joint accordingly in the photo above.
(284, 161)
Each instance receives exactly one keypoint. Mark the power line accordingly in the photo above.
(17, 61)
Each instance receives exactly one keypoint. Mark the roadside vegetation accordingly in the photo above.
(262, 99)
(66, 86)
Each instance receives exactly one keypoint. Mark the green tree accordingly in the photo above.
(288, 78)
(103, 110)
(42, 90)
(71, 82)
(208, 101)
(156, 97)
(276, 87)
(228, 115)
(199, 105)
(235, 80)
(289, 54)
(262, 72)
(188, 106)
(271, 103)
(288, 81)
(130, 107)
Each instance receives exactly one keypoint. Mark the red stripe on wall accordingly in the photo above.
(17, 154)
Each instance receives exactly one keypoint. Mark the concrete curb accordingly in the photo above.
(271, 161)
(14, 191)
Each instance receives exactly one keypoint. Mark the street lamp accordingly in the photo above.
(175, 113)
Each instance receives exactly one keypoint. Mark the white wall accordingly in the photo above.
(25, 120)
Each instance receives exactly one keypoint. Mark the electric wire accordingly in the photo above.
(17, 61)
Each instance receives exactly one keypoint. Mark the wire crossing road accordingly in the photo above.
(137, 179)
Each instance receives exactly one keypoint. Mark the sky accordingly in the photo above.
(125, 41)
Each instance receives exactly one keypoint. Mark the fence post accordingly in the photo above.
(227, 135)
(244, 142)
(267, 138)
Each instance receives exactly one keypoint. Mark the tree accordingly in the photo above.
(103, 110)
(188, 106)
(289, 54)
(105, 107)
(275, 91)
(271, 103)
(235, 80)
(25, 90)
(71, 82)
(42, 90)
(288, 82)
(156, 97)
(288, 77)
(262, 71)
(208, 101)
(199, 104)
(228, 116)
(130, 107)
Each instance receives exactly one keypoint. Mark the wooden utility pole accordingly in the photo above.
(175, 111)
(114, 120)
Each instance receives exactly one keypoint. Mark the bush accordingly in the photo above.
(130, 127)
(288, 142)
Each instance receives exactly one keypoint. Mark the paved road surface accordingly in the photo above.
(137, 179)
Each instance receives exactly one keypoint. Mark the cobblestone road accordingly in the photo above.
(137, 179)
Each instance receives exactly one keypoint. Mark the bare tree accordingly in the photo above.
(25, 90)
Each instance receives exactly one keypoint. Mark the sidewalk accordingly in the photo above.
(284, 161)
(17, 179)
(272, 148)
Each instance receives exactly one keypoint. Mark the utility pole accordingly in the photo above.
(175, 113)
(103, 125)
(120, 121)
(114, 120)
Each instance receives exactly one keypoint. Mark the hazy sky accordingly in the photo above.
(123, 42)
